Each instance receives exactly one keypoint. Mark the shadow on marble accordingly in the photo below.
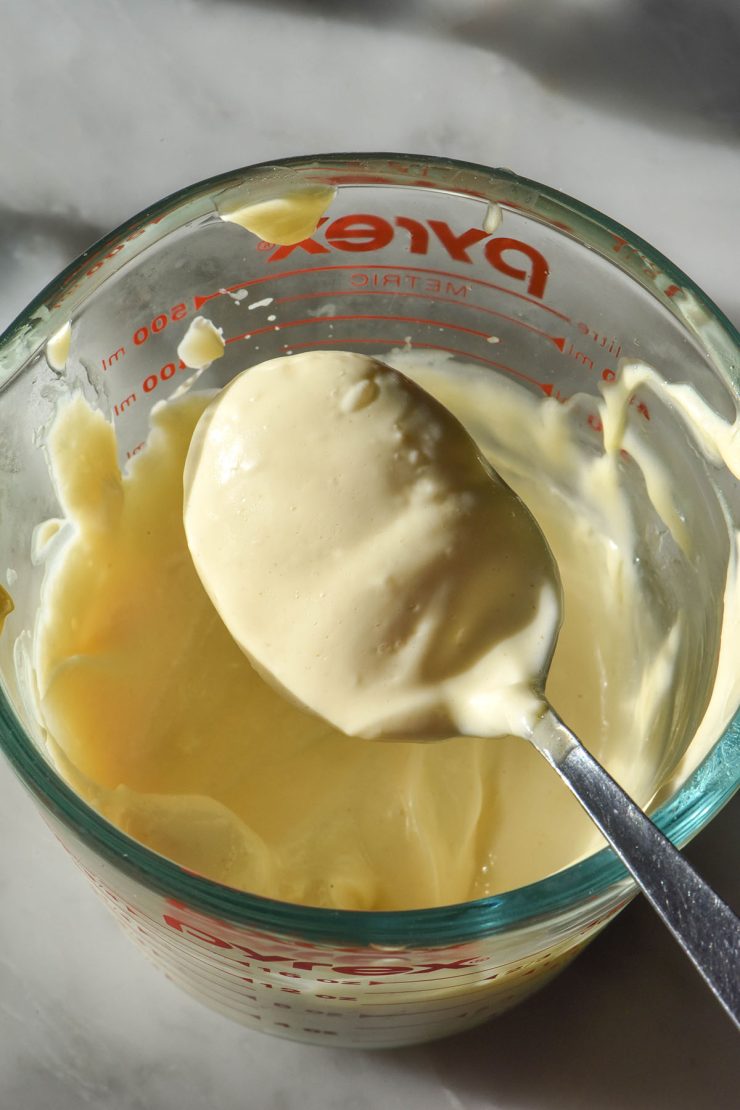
(35, 246)
(644, 1045)
(71, 232)
(674, 62)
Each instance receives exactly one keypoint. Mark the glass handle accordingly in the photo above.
(704, 925)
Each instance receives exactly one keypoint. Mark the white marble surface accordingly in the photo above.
(634, 108)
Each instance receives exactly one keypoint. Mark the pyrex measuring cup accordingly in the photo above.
(408, 254)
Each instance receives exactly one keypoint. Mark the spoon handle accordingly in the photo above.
(704, 925)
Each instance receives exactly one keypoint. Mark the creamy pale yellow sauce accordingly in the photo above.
(6, 606)
(362, 556)
(57, 348)
(154, 714)
(201, 345)
(287, 219)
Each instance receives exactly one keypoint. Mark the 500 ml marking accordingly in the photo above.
(157, 324)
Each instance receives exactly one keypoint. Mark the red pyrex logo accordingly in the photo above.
(300, 961)
(362, 232)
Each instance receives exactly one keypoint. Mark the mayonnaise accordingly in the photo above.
(359, 552)
(287, 219)
(201, 344)
(57, 347)
(155, 716)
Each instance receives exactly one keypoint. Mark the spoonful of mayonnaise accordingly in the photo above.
(375, 569)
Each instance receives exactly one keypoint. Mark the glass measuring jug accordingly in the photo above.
(553, 298)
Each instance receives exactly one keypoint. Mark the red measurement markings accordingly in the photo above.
(594, 421)
(205, 985)
(463, 996)
(199, 301)
(75, 277)
(150, 382)
(387, 1029)
(158, 323)
(144, 333)
(472, 976)
(125, 403)
(579, 356)
(396, 341)
(559, 341)
(106, 363)
(469, 1006)
(611, 345)
(227, 971)
(459, 1004)
(630, 252)
(310, 320)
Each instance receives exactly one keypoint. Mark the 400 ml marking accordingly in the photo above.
(149, 384)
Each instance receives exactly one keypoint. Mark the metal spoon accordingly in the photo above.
(704, 925)
(264, 607)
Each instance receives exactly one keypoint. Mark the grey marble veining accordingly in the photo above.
(109, 105)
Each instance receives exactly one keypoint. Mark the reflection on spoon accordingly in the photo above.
(376, 570)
